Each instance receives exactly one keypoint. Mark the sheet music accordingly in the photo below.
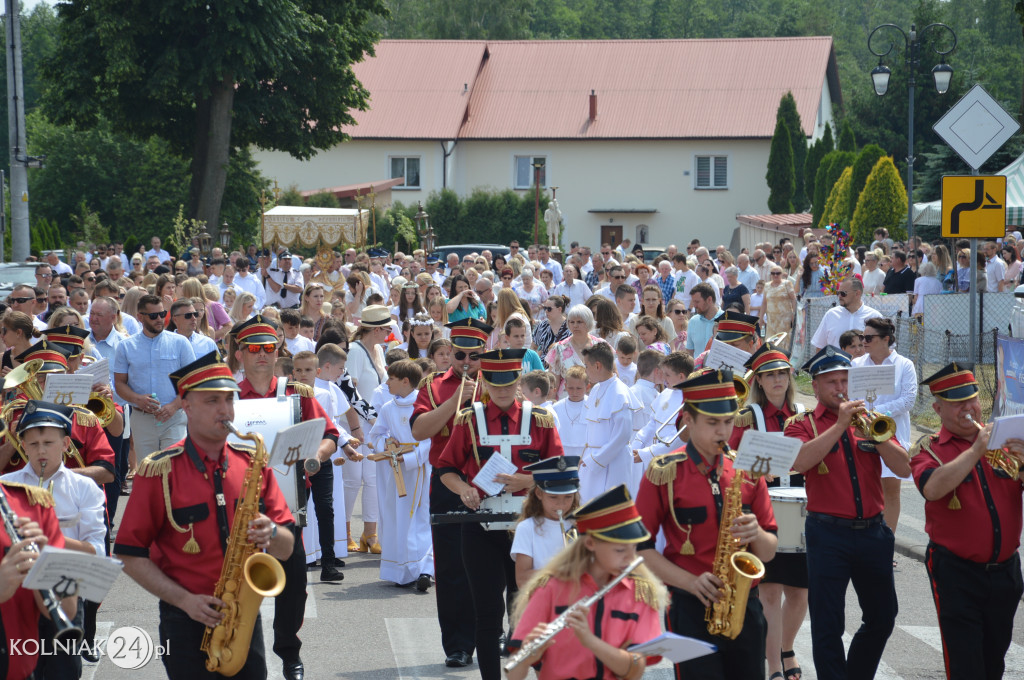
(724, 354)
(495, 465)
(1003, 428)
(99, 370)
(765, 452)
(881, 379)
(296, 443)
(675, 648)
(94, 574)
(68, 389)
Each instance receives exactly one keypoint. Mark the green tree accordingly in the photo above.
(836, 207)
(798, 139)
(827, 143)
(831, 167)
(862, 167)
(883, 203)
(847, 140)
(275, 74)
(323, 199)
(814, 155)
(781, 184)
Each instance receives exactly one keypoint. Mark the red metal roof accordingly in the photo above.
(645, 89)
(360, 189)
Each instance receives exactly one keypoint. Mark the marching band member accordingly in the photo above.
(257, 344)
(572, 427)
(486, 554)
(541, 532)
(406, 555)
(45, 429)
(179, 516)
(847, 538)
(736, 329)
(676, 368)
(770, 404)
(682, 495)
(440, 397)
(607, 458)
(20, 609)
(630, 613)
(973, 518)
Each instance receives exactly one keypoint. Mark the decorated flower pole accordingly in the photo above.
(833, 260)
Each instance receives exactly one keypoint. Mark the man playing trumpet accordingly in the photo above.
(973, 518)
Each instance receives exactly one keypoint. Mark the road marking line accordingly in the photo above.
(416, 645)
(103, 629)
(267, 616)
(931, 636)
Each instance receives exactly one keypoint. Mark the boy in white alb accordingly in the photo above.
(570, 412)
(648, 442)
(607, 459)
(407, 554)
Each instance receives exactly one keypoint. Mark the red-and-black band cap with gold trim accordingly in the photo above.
(733, 326)
(952, 383)
(256, 331)
(613, 517)
(206, 374)
(70, 338)
(53, 356)
(767, 358)
(469, 333)
(712, 392)
(501, 367)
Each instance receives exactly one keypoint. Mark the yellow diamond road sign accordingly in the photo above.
(974, 206)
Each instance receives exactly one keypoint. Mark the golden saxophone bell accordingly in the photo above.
(102, 407)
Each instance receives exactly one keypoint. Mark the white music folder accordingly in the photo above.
(676, 648)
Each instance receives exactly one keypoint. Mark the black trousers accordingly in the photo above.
(836, 557)
(976, 607)
(182, 636)
(58, 663)
(322, 487)
(492, 576)
(739, 659)
(290, 605)
(454, 599)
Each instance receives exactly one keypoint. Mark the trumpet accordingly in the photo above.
(102, 407)
(874, 425)
(1000, 458)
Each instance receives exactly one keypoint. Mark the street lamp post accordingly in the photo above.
(941, 73)
(537, 165)
(225, 237)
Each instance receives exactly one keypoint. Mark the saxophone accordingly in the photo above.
(736, 568)
(246, 577)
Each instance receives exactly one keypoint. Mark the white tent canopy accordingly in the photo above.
(931, 213)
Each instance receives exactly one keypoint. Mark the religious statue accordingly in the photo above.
(553, 217)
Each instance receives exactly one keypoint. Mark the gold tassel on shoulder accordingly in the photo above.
(745, 418)
(158, 463)
(36, 495)
(543, 417)
(85, 417)
(662, 469)
(643, 591)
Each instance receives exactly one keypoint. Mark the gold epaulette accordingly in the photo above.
(662, 469)
(36, 495)
(464, 417)
(543, 417)
(745, 417)
(795, 419)
(923, 443)
(85, 417)
(426, 380)
(243, 448)
(644, 590)
(158, 463)
(301, 389)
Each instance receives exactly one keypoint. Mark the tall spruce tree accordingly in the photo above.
(847, 140)
(781, 183)
(791, 117)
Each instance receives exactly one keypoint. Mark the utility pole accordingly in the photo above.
(16, 136)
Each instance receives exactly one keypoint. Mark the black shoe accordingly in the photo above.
(331, 574)
(339, 563)
(294, 671)
(503, 646)
(458, 660)
(89, 654)
(423, 583)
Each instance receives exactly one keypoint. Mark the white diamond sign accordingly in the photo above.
(976, 127)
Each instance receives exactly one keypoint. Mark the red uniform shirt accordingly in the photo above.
(837, 492)
(696, 514)
(20, 613)
(987, 526)
(311, 408)
(617, 618)
(439, 390)
(458, 454)
(146, 532)
(774, 421)
(91, 442)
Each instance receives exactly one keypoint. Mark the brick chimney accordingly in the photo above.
(593, 106)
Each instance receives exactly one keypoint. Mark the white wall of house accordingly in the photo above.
(824, 115)
(590, 175)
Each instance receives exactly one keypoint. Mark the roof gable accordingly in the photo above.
(645, 89)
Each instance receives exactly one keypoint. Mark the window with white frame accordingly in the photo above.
(524, 169)
(407, 167)
(712, 172)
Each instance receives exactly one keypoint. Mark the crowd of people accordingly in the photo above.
(585, 373)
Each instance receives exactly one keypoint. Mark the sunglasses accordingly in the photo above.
(189, 315)
(153, 316)
(21, 301)
(45, 276)
(843, 293)
(679, 311)
(618, 276)
(473, 356)
(548, 309)
(40, 299)
(90, 278)
(869, 338)
(268, 347)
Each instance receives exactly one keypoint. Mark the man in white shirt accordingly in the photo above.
(849, 315)
(249, 282)
(995, 267)
(59, 268)
(746, 275)
(874, 278)
(431, 264)
(761, 265)
(553, 266)
(686, 278)
(284, 284)
(156, 251)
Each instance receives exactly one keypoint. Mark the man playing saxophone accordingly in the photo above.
(686, 494)
(847, 538)
(179, 517)
(973, 518)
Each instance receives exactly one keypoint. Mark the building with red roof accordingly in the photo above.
(663, 138)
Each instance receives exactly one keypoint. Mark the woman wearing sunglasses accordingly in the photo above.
(18, 333)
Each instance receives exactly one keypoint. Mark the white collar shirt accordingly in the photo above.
(838, 320)
(78, 501)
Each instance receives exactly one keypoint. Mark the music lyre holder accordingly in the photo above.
(66, 587)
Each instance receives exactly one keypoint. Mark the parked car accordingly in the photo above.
(651, 252)
(14, 274)
(466, 248)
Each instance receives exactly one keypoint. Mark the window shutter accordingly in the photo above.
(721, 171)
(703, 171)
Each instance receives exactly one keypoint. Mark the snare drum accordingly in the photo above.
(790, 507)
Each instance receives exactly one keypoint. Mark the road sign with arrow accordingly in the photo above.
(973, 206)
